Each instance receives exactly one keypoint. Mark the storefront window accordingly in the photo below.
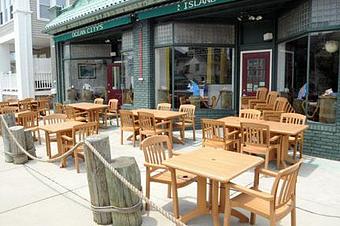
(202, 76)
(292, 71)
(127, 84)
(323, 79)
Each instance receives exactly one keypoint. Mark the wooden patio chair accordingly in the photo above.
(189, 120)
(250, 114)
(148, 126)
(164, 107)
(98, 101)
(256, 139)
(30, 121)
(72, 114)
(24, 105)
(79, 133)
(261, 95)
(280, 107)
(129, 124)
(59, 108)
(267, 104)
(295, 141)
(7, 110)
(216, 135)
(154, 154)
(112, 111)
(4, 104)
(274, 205)
(50, 120)
(43, 106)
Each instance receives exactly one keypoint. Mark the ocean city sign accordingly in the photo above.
(88, 30)
(192, 4)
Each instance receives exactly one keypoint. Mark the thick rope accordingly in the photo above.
(104, 209)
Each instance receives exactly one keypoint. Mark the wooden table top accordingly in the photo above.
(88, 106)
(17, 114)
(16, 103)
(160, 114)
(60, 127)
(213, 163)
(275, 127)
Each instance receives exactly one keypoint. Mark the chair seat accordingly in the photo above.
(217, 143)
(112, 114)
(152, 132)
(180, 124)
(182, 178)
(259, 206)
(257, 149)
(81, 119)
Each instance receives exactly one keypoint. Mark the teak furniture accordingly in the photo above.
(92, 109)
(216, 135)
(208, 163)
(59, 130)
(98, 101)
(59, 108)
(188, 120)
(274, 205)
(73, 115)
(79, 133)
(261, 95)
(268, 103)
(148, 126)
(130, 124)
(250, 114)
(154, 155)
(112, 111)
(29, 120)
(297, 140)
(280, 106)
(256, 139)
(52, 120)
(277, 128)
(6, 110)
(43, 106)
(164, 106)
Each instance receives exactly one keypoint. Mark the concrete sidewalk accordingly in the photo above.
(41, 194)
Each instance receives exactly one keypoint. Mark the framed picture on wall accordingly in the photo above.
(86, 71)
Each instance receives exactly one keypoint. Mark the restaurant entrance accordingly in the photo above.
(113, 79)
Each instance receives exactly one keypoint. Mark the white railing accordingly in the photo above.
(8, 82)
(42, 81)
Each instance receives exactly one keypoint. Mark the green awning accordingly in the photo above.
(178, 7)
(93, 29)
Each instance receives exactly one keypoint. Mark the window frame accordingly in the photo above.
(6, 11)
(38, 11)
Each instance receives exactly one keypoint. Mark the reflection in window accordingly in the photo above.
(127, 84)
(202, 76)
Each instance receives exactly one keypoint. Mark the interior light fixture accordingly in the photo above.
(107, 41)
(332, 46)
(251, 18)
(259, 17)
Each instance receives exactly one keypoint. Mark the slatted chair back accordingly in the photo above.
(28, 119)
(113, 105)
(24, 105)
(29, 99)
(280, 104)
(250, 114)
(271, 97)
(190, 110)
(284, 186)
(7, 110)
(154, 150)
(43, 103)
(59, 108)
(127, 119)
(99, 101)
(147, 121)
(293, 118)
(261, 93)
(4, 104)
(54, 119)
(289, 108)
(213, 130)
(80, 132)
(164, 106)
(70, 112)
(255, 134)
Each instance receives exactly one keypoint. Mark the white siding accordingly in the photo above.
(37, 25)
(6, 28)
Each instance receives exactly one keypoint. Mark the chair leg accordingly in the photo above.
(266, 161)
(121, 137)
(76, 161)
(293, 217)
(39, 139)
(278, 158)
(134, 139)
(147, 188)
(252, 218)
(272, 221)
(117, 120)
(169, 191)
(193, 131)
(300, 148)
(295, 149)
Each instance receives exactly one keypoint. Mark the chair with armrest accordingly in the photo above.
(261, 95)
(267, 104)
(29, 120)
(189, 120)
(280, 107)
(128, 123)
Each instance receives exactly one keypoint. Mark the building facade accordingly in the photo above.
(25, 56)
(205, 52)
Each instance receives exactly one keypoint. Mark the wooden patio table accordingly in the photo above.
(58, 129)
(91, 108)
(16, 103)
(164, 116)
(283, 129)
(219, 166)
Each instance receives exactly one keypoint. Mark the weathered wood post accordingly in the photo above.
(19, 134)
(10, 120)
(29, 141)
(96, 176)
(123, 197)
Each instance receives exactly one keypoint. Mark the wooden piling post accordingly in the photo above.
(10, 120)
(96, 176)
(19, 134)
(121, 196)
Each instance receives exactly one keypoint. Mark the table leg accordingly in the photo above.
(174, 193)
(284, 150)
(48, 144)
(227, 209)
(61, 150)
(214, 203)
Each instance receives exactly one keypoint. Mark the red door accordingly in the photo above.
(113, 77)
(255, 71)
